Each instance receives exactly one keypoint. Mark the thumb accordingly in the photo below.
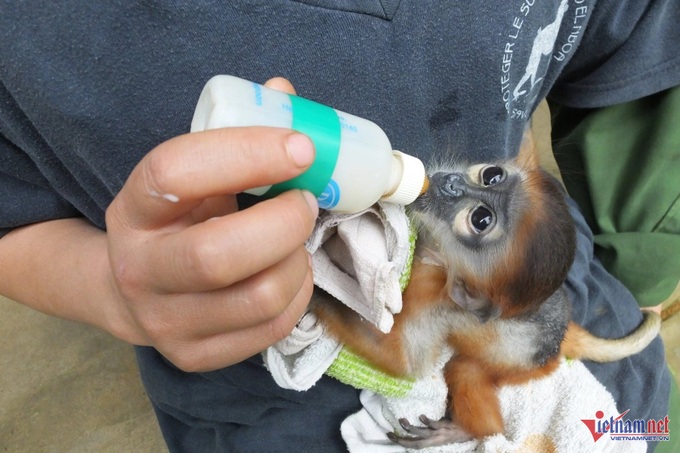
(280, 84)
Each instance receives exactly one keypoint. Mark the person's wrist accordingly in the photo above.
(107, 308)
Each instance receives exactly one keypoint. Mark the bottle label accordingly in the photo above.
(322, 125)
(330, 196)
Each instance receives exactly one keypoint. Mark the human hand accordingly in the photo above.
(205, 284)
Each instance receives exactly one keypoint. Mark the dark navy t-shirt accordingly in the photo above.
(88, 88)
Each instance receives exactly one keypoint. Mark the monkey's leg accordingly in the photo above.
(473, 397)
(473, 404)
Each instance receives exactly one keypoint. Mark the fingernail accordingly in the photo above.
(311, 201)
(300, 149)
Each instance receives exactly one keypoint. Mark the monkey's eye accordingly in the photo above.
(481, 218)
(492, 175)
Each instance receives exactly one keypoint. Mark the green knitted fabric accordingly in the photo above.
(353, 370)
(406, 275)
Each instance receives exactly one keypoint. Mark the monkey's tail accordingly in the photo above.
(579, 344)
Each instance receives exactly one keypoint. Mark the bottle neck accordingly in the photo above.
(407, 179)
(396, 175)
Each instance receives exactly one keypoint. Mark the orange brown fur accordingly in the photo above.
(472, 375)
(527, 276)
(495, 299)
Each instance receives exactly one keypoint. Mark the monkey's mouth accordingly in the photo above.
(442, 185)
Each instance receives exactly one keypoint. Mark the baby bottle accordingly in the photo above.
(355, 165)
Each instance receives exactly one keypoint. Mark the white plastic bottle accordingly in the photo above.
(355, 165)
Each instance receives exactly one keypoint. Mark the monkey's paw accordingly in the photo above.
(434, 433)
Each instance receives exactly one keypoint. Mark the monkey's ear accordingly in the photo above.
(477, 304)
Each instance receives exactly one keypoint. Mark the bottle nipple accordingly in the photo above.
(426, 185)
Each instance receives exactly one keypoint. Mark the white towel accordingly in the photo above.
(298, 361)
(359, 259)
(364, 261)
(544, 415)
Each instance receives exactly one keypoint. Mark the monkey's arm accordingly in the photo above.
(385, 351)
(413, 326)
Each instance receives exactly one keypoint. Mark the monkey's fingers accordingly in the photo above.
(444, 423)
(434, 433)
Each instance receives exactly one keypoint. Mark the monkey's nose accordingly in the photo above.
(450, 184)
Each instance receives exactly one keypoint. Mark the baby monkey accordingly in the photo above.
(494, 247)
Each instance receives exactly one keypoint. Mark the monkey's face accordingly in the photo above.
(467, 214)
(491, 225)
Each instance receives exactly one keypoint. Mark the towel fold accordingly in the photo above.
(360, 258)
(364, 261)
(298, 361)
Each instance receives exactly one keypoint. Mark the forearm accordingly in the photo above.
(60, 268)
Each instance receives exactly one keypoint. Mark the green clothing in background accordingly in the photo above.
(622, 165)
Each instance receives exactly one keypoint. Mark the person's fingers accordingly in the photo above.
(253, 301)
(225, 250)
(280, 84)
(225, 349)
(178, 174)
(214, 207)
